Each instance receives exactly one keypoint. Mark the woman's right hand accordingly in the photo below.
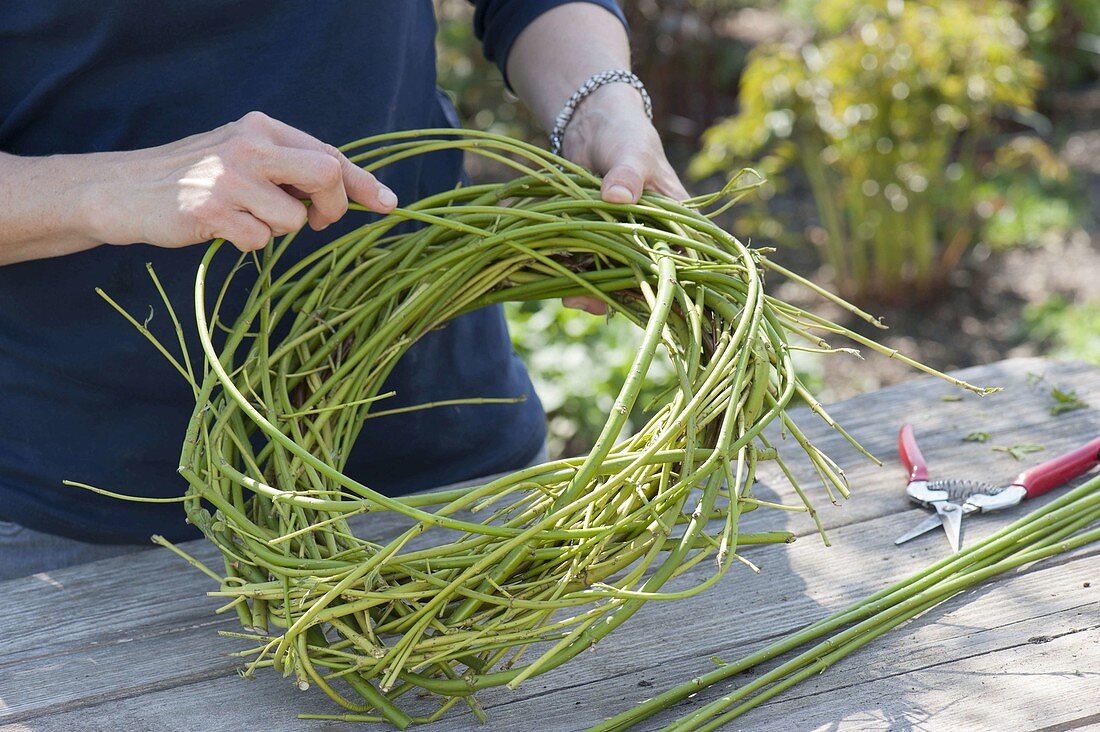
(243, 182)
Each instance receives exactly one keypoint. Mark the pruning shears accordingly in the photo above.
(954, 499)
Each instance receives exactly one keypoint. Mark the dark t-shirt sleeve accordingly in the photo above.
(498, 23)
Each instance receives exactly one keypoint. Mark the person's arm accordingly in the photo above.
(560, 45)
(242, 182)
(610, 133)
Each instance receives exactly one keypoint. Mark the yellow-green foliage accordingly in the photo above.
(886, 113)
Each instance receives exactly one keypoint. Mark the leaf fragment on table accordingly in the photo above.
(1066, 401)
(1018, 451)
(977, 437)
(951, 398)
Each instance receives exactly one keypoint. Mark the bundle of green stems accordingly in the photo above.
(1065, 524)
(560, 554)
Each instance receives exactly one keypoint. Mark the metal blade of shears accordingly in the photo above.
(951, 514)
(922, 528)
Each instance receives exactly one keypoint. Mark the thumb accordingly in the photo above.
(623, 183)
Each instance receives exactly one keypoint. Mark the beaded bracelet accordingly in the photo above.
(595, 82)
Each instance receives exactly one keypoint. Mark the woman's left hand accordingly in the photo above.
(611, 135)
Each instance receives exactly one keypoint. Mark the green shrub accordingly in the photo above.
(1066, 329)
(890, 114)
(1028, 197)
(578, 362)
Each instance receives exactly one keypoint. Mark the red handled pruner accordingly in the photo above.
(954, 499)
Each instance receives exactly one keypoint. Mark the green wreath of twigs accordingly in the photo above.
(569, 549)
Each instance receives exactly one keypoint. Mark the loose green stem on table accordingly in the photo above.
(1060, 526)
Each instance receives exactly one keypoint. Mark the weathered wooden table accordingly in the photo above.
(131, 643)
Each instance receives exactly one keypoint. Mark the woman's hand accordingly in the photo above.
(609, 132)
(611, 135)
(243, 182)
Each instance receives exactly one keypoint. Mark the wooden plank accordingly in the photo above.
(1000, 695)
(117, 600)
(96, 633)
(226, 704)
(101, 602)
(972, 639)
(1026, 686)
(614, 676)
(1019, 414)
(110, 638)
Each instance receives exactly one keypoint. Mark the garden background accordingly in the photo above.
(936, 162)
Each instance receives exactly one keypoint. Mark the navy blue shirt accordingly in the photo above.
(82, 395)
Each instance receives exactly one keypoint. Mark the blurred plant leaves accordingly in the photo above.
(891, 113)
(578, 362)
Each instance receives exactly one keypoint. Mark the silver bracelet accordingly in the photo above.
(595, 82)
